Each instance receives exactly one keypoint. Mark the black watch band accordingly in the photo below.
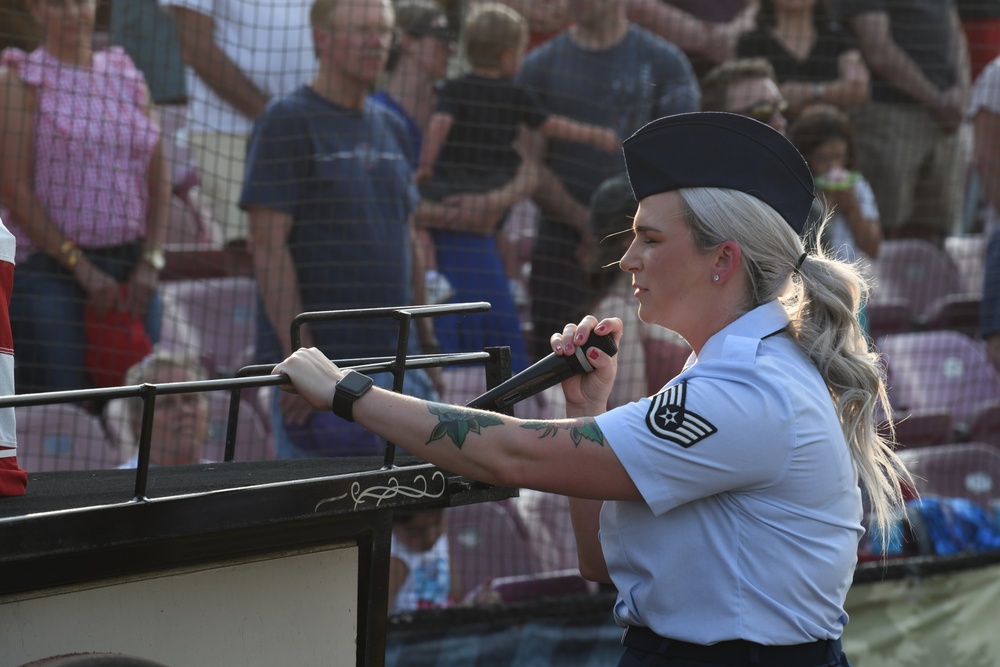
(350, 388)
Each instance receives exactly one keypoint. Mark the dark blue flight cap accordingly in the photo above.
(722, 150)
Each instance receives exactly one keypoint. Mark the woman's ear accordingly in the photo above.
(728, 260)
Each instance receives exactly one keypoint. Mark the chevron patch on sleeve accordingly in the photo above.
(669, 419)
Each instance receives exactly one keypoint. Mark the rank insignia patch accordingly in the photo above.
(668, 419)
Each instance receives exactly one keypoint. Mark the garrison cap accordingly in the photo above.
(722, 150)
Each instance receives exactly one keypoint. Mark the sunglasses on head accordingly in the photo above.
(765, 110)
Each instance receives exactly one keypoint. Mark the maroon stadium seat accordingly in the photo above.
(63, 437)
(939, 371)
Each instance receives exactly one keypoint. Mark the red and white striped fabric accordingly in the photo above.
(13, 480)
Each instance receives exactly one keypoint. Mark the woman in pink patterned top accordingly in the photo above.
(83, 178)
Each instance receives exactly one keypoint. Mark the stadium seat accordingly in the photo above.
(527, 587)
(63, 437)
(969, 254)
(924, 429)
(217, 318)
(913, 270)
(955, 312)
(986, 424)
(961, 470)
(939, 370)
(889, 316)
(484, 543)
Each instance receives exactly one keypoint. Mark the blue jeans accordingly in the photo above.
(46, 318)
(326, 434)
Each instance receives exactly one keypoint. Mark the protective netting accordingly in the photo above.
(184, 176)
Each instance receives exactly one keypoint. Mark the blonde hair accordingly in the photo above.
(150, 366)
(491, 30)
(822, 298)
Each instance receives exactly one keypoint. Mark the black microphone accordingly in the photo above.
(543, 374)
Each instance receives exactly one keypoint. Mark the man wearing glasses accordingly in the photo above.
(747, 86)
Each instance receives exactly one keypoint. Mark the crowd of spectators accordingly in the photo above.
(297, 132)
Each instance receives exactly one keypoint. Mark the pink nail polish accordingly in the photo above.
(592, 353)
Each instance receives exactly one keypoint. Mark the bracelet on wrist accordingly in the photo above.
(71, 253)
(73, 258)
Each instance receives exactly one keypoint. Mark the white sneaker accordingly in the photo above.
(437, 287)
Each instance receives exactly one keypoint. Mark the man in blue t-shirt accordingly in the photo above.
(330, 194)
(604, 71)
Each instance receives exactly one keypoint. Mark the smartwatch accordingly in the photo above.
(350, 388)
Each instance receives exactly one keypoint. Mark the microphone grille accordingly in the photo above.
(605, 344)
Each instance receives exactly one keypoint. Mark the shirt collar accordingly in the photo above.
(760, 322)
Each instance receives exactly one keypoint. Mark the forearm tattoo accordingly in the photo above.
(456, 423)
(583, 429)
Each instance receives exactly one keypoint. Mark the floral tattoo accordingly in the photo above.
(456, 423)
(580, 431)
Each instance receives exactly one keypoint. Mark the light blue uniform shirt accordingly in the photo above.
(752, 511)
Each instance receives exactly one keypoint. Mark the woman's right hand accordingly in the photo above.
(103, 291)
(587, 393)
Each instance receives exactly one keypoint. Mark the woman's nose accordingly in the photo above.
(629, 261)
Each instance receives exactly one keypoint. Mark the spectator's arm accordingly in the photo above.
(274, 270)
(479, 212)
(567, 129)
(437, 132)
(196, 32)
(145, 277)
(158, 206)
(889, 61)
(551, 195)
(586, 518)
(716, 42)
(18, 105)
(850, 89)
(962, 66)
(672, 24)
(866, 230)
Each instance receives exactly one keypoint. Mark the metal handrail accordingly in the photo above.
(261, 375)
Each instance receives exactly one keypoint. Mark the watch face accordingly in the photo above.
(354, 384)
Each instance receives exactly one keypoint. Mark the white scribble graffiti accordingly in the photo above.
(392, 489)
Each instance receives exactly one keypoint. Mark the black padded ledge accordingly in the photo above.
(75, 526)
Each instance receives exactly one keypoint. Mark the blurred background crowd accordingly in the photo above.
(184, 176)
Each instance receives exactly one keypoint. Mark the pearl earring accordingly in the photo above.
(716, 277)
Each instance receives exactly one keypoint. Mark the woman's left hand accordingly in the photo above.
(587, 393)
(142, 286)
(312, 376)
